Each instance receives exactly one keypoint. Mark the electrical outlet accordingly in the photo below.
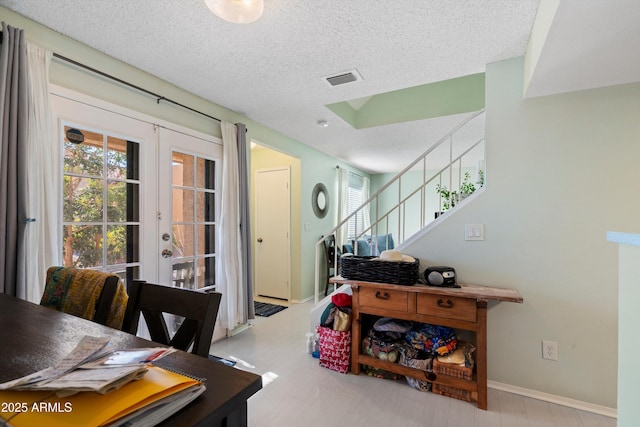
(550, 350)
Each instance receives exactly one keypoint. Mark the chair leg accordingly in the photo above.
(326, 286)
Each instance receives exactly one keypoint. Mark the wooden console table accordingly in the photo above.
(459, 308)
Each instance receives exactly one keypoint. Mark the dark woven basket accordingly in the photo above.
(364, 269)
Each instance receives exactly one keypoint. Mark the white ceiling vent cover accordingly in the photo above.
(343, 78)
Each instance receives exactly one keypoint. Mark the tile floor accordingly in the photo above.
(298, 392)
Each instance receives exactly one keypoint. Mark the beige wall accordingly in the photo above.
(561, 171)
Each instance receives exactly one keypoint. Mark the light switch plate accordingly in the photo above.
(474, 232)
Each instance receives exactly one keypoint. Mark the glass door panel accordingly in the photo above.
(193, 222)
(101, 201)
(189, 233)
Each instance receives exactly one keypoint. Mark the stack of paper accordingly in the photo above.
(91, 366)
(94, 386)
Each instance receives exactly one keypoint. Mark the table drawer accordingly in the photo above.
(447, 307)
(384, 298)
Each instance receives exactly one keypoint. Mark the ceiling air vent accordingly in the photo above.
(343, 78)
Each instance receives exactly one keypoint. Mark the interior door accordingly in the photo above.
(272, 247)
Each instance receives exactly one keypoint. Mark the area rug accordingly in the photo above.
(265, 309)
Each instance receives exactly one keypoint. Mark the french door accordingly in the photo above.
(140, 199)
(188, 210)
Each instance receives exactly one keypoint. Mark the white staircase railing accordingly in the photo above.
(431, 185)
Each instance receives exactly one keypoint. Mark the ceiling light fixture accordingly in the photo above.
(236, 11)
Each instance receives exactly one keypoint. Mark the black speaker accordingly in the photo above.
(441, 276)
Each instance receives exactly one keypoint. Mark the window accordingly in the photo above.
(355, 199)
(101, 218)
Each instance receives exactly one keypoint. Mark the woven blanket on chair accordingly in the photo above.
(77, 291)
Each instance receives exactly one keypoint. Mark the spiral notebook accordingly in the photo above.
(147, 401)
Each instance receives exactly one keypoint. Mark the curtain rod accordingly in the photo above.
(131, 85)
(350, 171)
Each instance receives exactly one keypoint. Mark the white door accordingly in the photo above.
(272, 246)
(190, 169)
(109, 190)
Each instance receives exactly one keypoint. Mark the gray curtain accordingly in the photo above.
(245, 215)
(13, 143)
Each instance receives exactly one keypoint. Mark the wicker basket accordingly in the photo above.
(363, 268)
(456, 393)
(410, 359)
(452, 370)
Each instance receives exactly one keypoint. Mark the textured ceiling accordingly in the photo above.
(272, 70)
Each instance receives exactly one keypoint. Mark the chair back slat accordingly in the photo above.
(157, 326)
(103, 305)
(186, 334)
(199, 310)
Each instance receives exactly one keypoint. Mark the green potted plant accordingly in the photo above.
(467, 187)
(449, 198)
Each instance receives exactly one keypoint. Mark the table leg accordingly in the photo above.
(481, 353)
(237, 418)
(356, 331)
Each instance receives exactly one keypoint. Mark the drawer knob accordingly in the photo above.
(382, 295)
(443, 304)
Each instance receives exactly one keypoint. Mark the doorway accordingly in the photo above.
(273, 237)
(153, 206)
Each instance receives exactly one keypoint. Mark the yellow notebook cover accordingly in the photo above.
(84, 409)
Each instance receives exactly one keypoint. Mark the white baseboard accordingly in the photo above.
(302, 301)
(552, 398)
(238, 329)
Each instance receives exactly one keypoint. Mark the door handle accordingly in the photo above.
(167, 253)
(259, 239)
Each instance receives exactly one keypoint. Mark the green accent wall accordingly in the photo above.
(444, 98)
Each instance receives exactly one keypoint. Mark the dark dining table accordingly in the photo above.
(33, 337)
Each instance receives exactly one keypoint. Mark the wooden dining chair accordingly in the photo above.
(199, 310)
(90, 294)
(330, 249)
